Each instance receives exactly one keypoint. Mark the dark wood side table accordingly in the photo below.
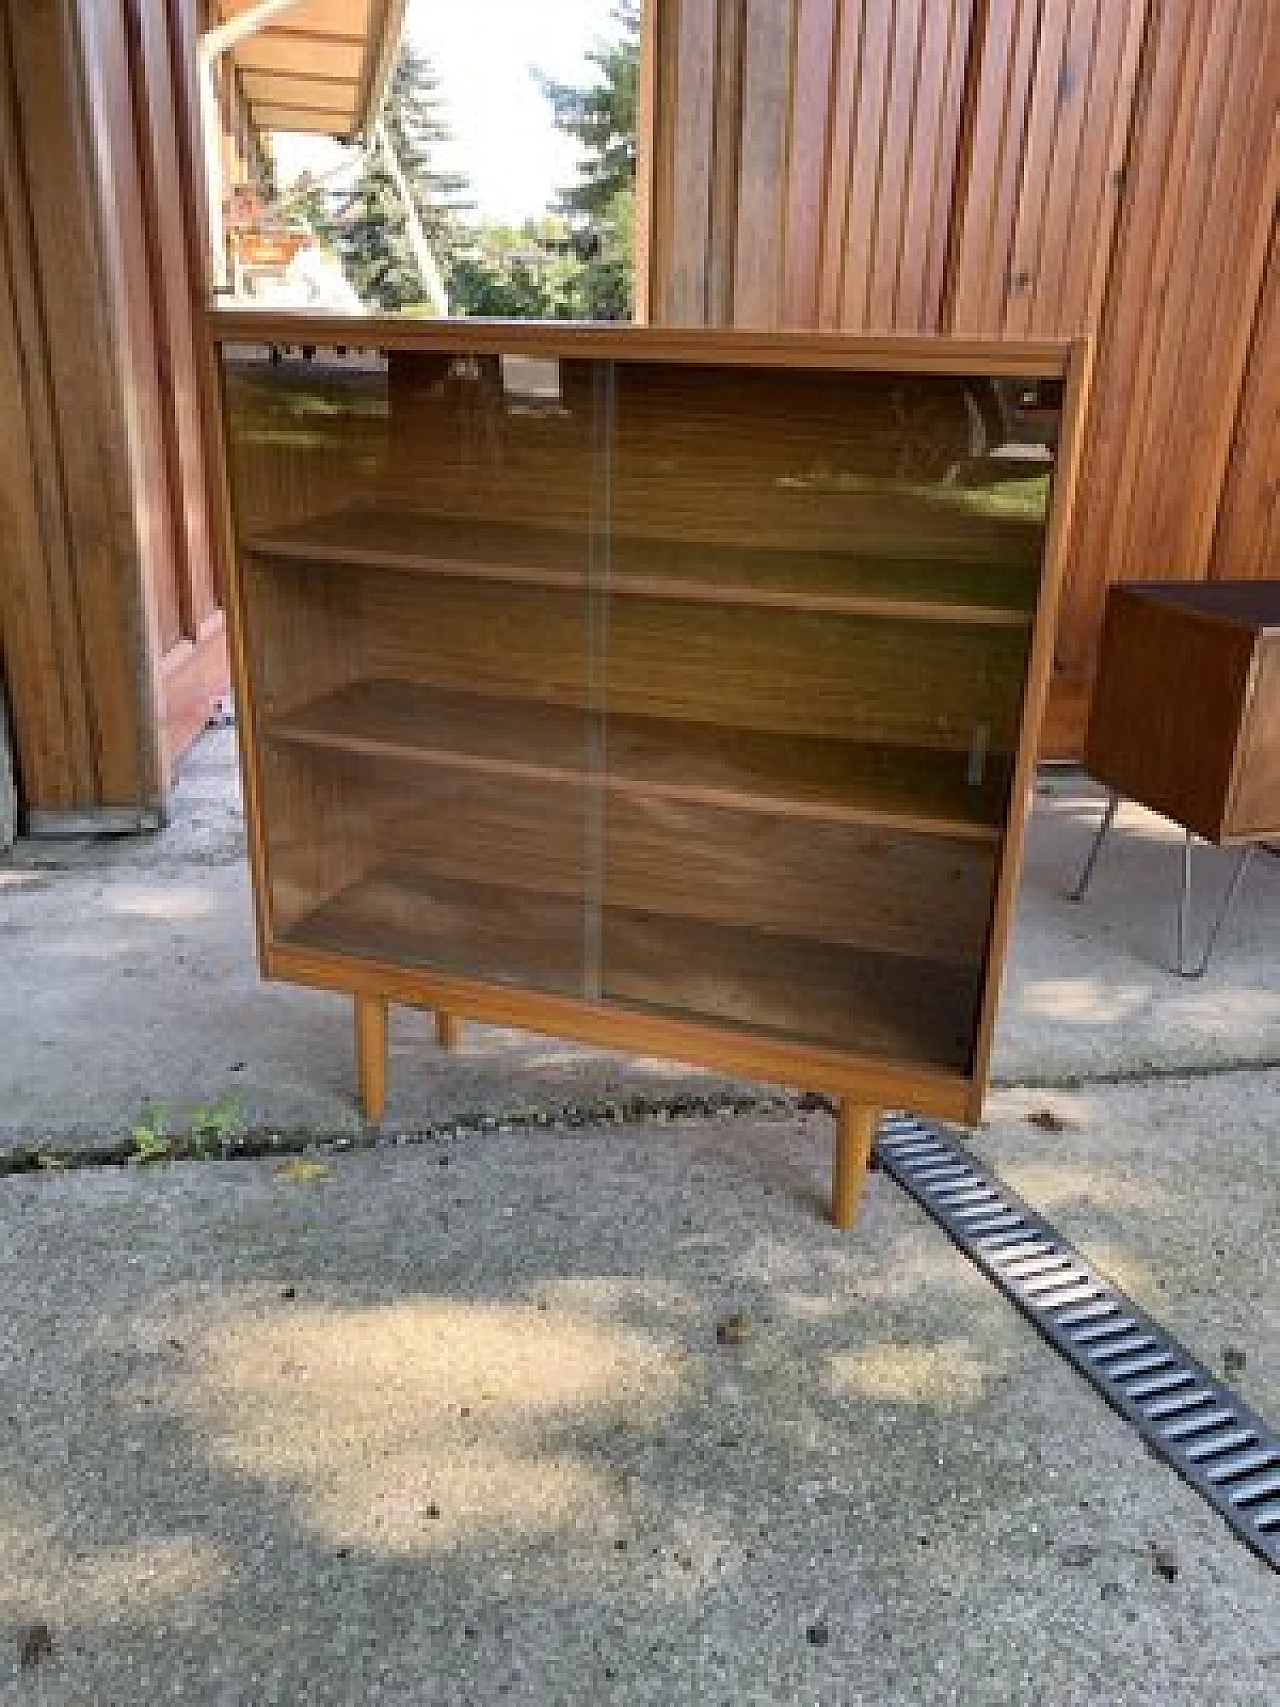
(1185, 719)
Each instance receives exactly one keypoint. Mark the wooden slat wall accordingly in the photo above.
(1008, 168)
(110, 637)
(1182, 297)
(801, 154)
(1247, 542)
(71, 600)
(1038, 194)
(192, 657)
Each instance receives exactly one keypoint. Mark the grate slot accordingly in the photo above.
(968, 1191)
(1122, 1347)
(1007, 1229)
(1201, 1451)
(1007, 1255)
(1054, 1297)
(1143, 1364)
(1185, 1414)
(1239, 1463)
(974, 1212)
(1199, 1420)
(1051, 1282)
(1103, 1330)
(1091, 1312)
(1256, 1488)
(1028, 1269)
(1139, 1390)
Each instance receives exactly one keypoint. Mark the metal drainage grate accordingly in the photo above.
(1185, 1414)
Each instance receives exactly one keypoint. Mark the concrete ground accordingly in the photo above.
(448, 1420)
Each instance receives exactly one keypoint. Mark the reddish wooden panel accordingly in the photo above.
(695, 48)
(39, 633)
(807, 164)
(190, 670)
(900, 79)
(762, 162)
(1247, 541)
(1053, 91)
(803, 161)
(61, 83)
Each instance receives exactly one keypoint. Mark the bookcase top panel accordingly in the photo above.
(897, 353)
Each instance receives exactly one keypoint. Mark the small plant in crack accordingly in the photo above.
(149, 1138)
(213, 1128)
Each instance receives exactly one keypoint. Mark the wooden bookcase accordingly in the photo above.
(669, 691)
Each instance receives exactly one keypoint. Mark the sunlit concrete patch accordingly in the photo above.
(1053, 1185)
(949, 1375)
(167, 903)
(405, 1427)
(20, 879)
(1086, 1001)
(44, 1576)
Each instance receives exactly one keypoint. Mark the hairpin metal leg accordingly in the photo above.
(1108, 818)
(1184, 909)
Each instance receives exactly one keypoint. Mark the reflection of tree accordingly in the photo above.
(370, 226)
(601, 117)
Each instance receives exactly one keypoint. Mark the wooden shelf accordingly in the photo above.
(979, 592)
(914, 1011)
(911, 789)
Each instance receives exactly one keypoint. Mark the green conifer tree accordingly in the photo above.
(371, 224)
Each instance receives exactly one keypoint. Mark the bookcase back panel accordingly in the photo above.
(858, 884)
(468, 875)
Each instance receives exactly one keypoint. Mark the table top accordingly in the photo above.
(1256, 604)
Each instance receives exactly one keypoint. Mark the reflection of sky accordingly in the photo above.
(504, 138)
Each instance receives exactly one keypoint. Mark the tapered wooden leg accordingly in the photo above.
(448, 1030)
(855, 1134)
(371, 1055)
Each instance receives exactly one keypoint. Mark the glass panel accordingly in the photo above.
(415, 541)
(820, 589)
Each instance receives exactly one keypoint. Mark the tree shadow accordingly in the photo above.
(466, 1432)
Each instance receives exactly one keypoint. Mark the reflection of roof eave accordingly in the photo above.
(313, 65)
(386, 25)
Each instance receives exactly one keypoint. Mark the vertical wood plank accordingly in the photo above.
(892, 208)
(39, 626)
(646, 162)
(1063, 186)
(175, 294)
(1032, 188)
(846, 71)
(949, 165)
(988, 196)
(807, 165)
(864, 169)
(766, 83)
(1247, 538)
(695, 47)
(727, 142)
(917, 300)
(1087, 251)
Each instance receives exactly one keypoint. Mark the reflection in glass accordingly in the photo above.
(695, 688)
